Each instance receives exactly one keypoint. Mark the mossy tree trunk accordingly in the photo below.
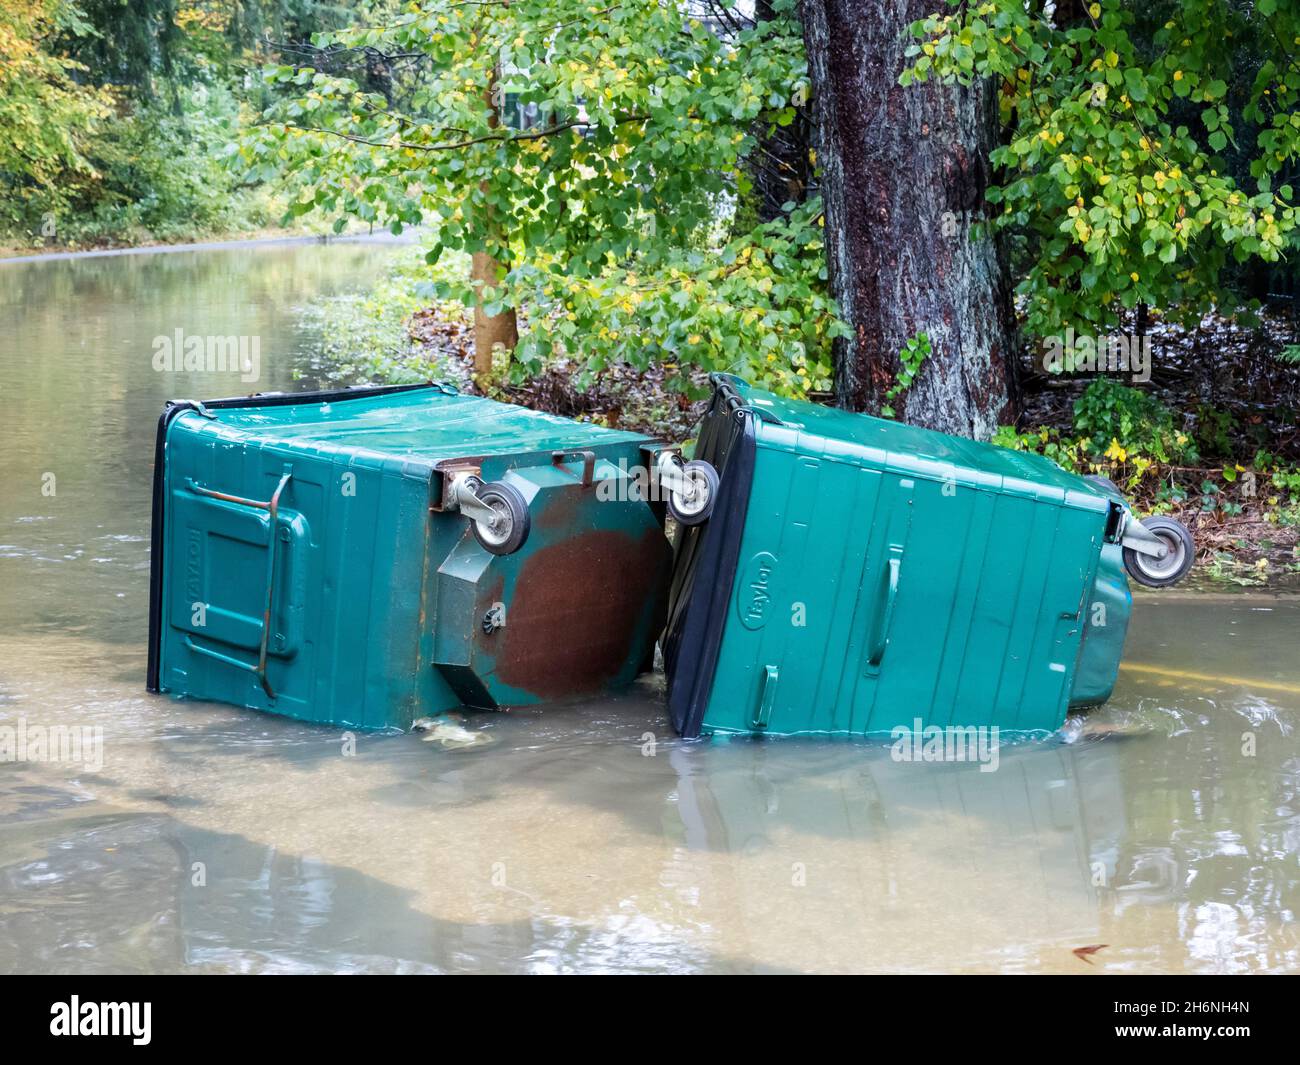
(904, 170)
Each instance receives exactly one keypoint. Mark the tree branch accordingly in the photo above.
(531, 135)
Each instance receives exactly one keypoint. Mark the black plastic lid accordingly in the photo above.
(704, 569)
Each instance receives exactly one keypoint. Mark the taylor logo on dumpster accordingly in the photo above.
(754, 592)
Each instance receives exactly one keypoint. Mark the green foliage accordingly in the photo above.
(1168, 496)
(1123, 423)
(47, 117)
(160, 174)
(1067, 452)
(115, 118)
(1283, 477)
(1214, 430)
(1286, 482)
(643, 115)
(1132, 438)
(1224, 567)
(1121, 432)
(127, 43)
(608, 208)
(757, 307)
(1140, 163)
(914, 353)
(367, 335)
(1215, 498)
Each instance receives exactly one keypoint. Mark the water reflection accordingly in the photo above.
(92, 887)
(564, 846)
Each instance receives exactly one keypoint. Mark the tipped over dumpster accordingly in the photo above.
(369, 557)
(372, 556)
(857, 575)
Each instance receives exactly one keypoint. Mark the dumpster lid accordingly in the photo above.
(886, 443)
(428, 421)
(704, 570)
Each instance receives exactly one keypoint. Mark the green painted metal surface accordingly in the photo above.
(376, 605)
(888, 573)
(1109, 608)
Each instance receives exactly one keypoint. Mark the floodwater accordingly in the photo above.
(583, 837)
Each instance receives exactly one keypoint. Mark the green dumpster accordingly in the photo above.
(367, 557)
(857, 575)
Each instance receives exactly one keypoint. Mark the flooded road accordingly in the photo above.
(582, 837)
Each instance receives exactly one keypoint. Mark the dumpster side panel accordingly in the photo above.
(792, 605)
(929, 531)
(978, 634)
(1106, 625)
(373, 578)
(345, 588)
(865, 598)
(986, 618)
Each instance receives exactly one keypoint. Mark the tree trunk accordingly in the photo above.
(496, 330)
(779, 164)
(490, 331)
(903, 177)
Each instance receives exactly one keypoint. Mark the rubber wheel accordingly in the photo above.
(696, 510)
(512, 519)
(1162, 572)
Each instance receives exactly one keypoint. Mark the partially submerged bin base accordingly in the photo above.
(314, 557)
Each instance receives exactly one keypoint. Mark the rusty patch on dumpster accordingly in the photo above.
(583, 613)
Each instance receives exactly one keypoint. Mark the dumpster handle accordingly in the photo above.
(881, 641)
(558, 458)
(272, 508)
(766, 697)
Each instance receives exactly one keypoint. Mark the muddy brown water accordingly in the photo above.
(583, 837)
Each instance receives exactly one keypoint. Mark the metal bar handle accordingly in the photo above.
(559, 458)
(272, 508)
(886, 617)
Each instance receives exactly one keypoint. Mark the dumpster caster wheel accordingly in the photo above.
(505, 532)
(694, 504)
(1162, 572)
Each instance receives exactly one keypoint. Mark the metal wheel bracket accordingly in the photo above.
(692, 488)
(497, 511)
(670, 473)
(1138, 538)
(462, 495)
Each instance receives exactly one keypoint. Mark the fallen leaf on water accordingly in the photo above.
(1082, 952)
